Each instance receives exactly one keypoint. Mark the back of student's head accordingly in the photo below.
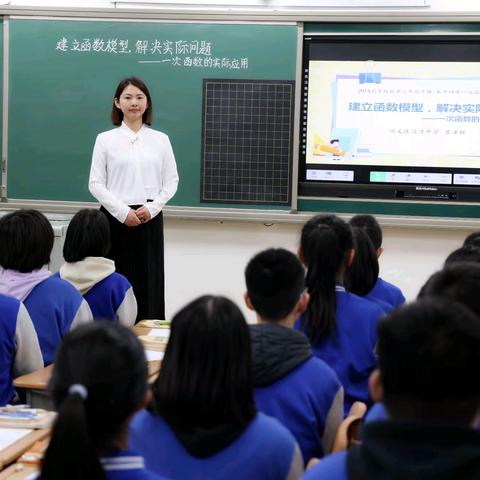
(205, 379)
(26, 240)
(325, 245)
(99, 380)
(88, 235)
(362, 274)
(371, 226)
(275, 281)
(429, 353)
(473, 239)
(458, 281)
(467, 253)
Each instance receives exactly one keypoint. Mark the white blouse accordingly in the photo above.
(130, 167)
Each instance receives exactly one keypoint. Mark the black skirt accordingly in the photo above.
(138, 254)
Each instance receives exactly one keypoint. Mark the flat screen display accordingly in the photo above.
(391, 117)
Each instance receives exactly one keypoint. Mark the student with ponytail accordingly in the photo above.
(99, 381)
(340, 325)
(362, 275)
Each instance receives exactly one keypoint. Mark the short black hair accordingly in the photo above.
(206, 378)
(371, 226)
(473, 239)
(275, 280)
(26, 240)
(428, 359)
(467, 253)
(88, 235)
(459, 281)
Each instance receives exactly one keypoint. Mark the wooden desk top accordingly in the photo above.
(17, 449)
(37, 380)
(17, 471)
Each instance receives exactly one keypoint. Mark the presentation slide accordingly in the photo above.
(399, 114)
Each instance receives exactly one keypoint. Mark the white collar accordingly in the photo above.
(340, 288)
(133, 136)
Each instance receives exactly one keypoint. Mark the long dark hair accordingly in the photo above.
(205, 380)
(362, 274)
(325, 243)
(106, 364)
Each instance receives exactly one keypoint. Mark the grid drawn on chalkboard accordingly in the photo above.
(247, 140)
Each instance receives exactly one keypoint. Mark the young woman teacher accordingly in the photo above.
(133, 175)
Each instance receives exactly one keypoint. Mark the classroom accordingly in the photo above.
(61, 60)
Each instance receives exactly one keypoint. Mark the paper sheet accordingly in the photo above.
(159, 332)
(8, 436)
(153, 355)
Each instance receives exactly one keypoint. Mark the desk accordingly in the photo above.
(36, 384)
(17, 471)
(14, 451)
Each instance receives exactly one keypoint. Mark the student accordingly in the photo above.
(98, 382)
(290, 383)
(429, 352)
(109, 294)
(54, 305)
(133, 175)
(19, 349)
(202, 422)
(457, 281)
(340, 325)
(362, 275)
(382, 290)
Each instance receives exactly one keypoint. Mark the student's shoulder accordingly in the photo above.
(9, 304)
(394, 293)
(272, 430)
(117, 280)
(364, 308)
(377, 412)
(332, 467)
(316, 368)
(56, 283)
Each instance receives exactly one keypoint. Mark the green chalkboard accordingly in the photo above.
(63, 74)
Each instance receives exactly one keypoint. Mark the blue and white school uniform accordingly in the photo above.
(19, 349)
(265, 450)
(109, 294)
(295, 387)
(386, 292)
(55, 307)
(126, 465)
(351, 353)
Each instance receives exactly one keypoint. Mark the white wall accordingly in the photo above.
(435, 5)
(209, 257)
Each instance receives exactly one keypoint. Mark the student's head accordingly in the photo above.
(363, 272)
(429, 353)
(26, 240)
(473, 240)
(275, 281)
(467, 253)
(459, 281)
(98, 382)
(117, 114)
(205, 380)
(88, 235)
(372, 228)
(326, 249)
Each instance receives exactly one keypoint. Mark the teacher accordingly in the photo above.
(133, 175)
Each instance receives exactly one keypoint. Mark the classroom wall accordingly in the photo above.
(435, 5)
(209, 256)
